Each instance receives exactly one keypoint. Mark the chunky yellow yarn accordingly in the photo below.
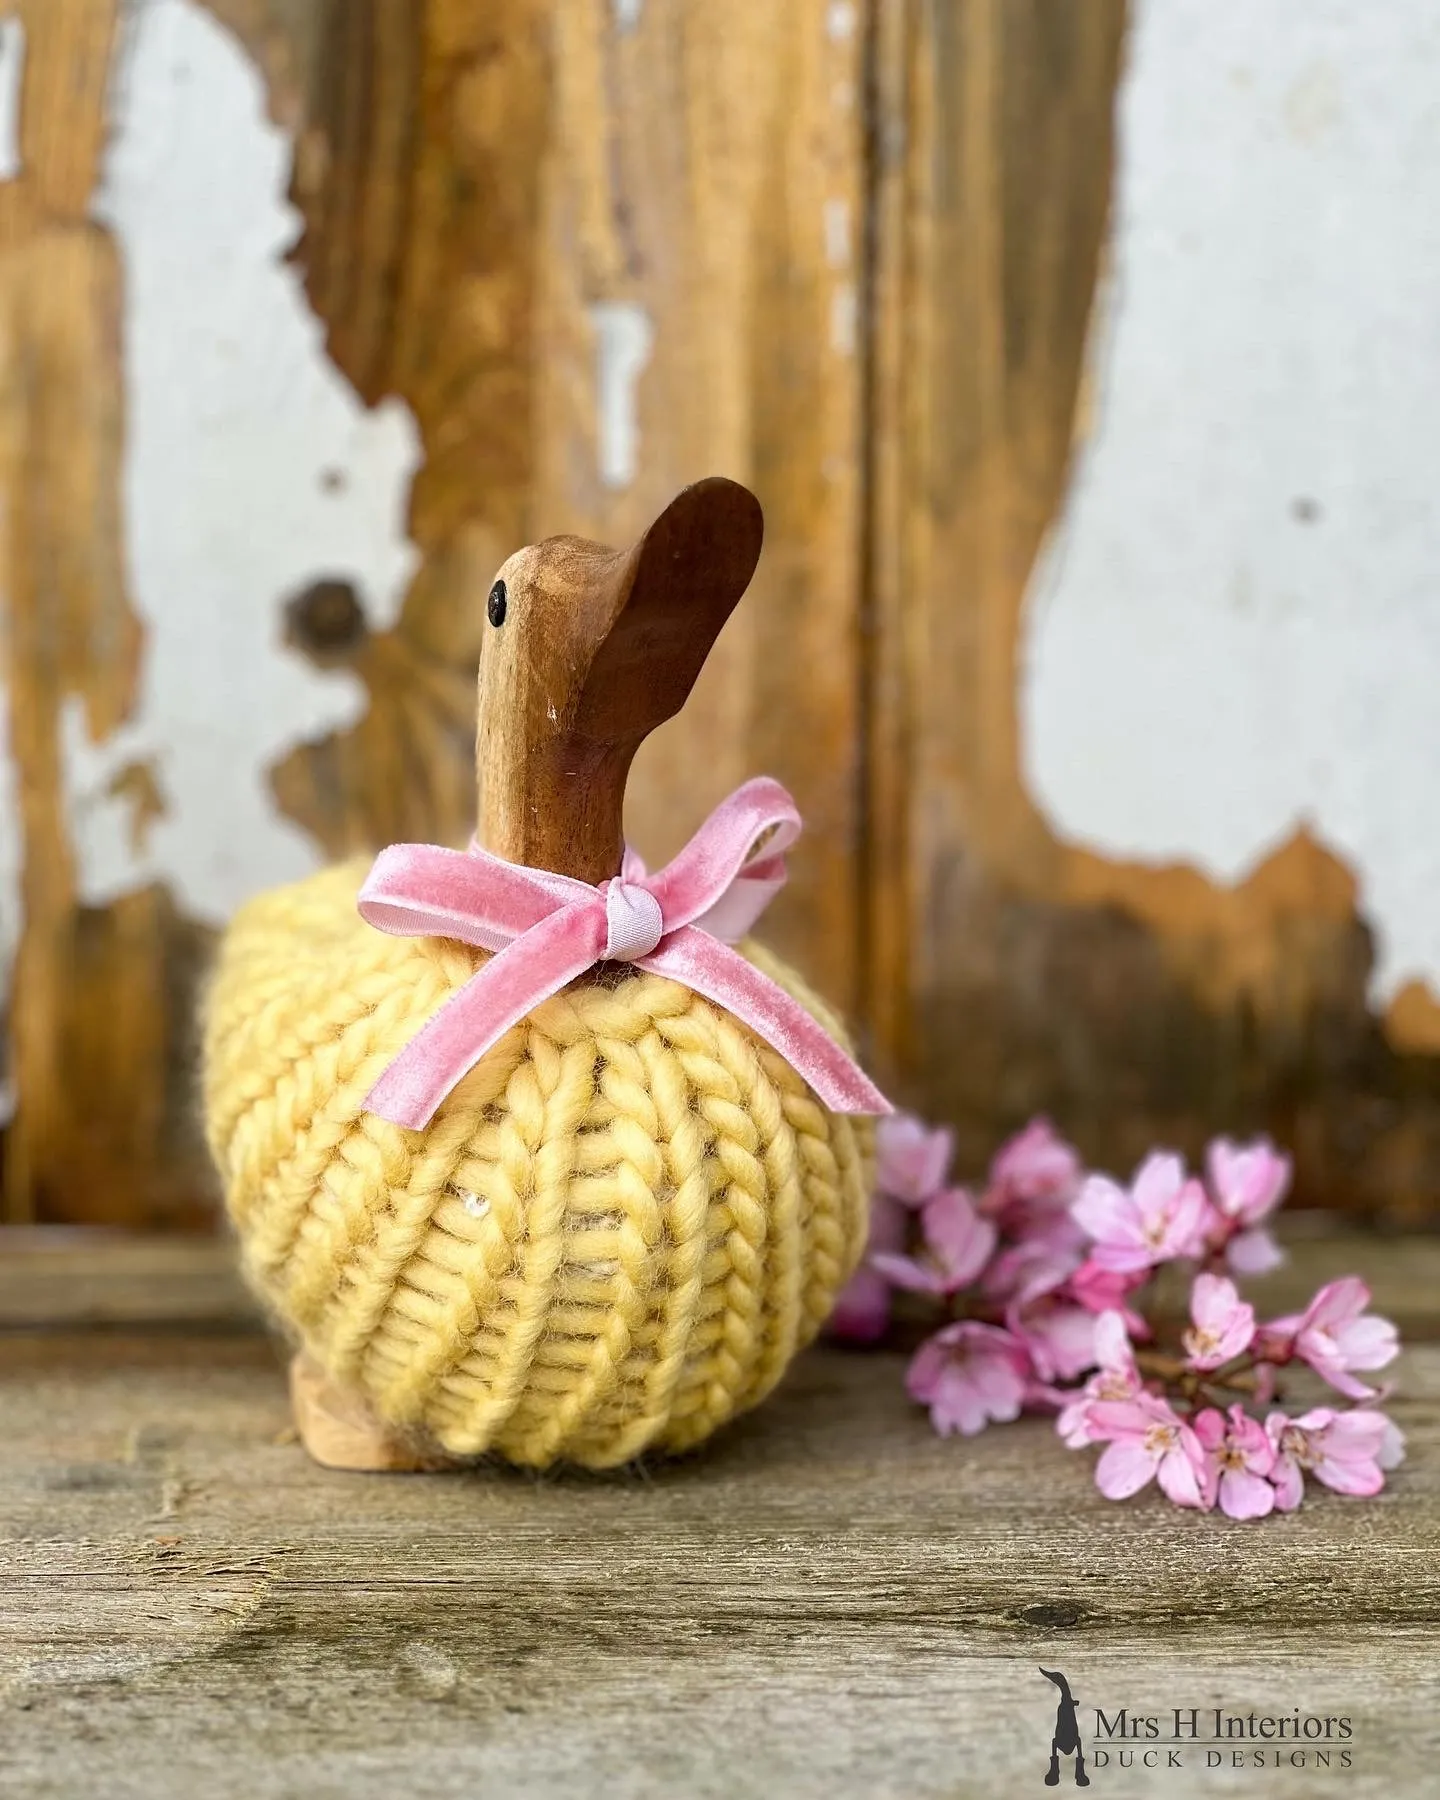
(613, 1237)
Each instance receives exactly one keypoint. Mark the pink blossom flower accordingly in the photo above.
(1247, 1183)
(1040, 1257)
(1147, 1438)
(1058, 1336)
(969, 1374)
(1037, 1164)
(1241, 1456)
(1348, 1451)
(911, 1160)
(1116, 1378)
(958, 1244)
(1161, 1216)
(1033, 1179)
(1223, 1323)
(1105, 1290)
(862, 1313)
(1253, 1252)
(1334, 1335)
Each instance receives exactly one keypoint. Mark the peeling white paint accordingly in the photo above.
(844, 319)
(1237, 627)
(624, 337)
(627, 13)
(101, 825)
(12, 76)
(236, 425)
(840, 20)
(837, 233)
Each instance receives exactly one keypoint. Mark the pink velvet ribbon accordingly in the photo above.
(546, 929)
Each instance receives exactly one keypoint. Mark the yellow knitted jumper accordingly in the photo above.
(613, 1236)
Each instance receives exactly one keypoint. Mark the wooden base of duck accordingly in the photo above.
(340, 1432)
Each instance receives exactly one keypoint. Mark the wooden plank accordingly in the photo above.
(828, 1602)
(1009, 971)
(75, 1279)
(855, 248)
(104, 1126)
(478, 186)
(68, 1279)
(709, 177)
(477, 211)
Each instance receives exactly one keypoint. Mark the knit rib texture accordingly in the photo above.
(614, 1235)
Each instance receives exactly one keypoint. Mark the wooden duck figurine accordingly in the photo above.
(624, 1219)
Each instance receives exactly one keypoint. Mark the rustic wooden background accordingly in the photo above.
(867, 236)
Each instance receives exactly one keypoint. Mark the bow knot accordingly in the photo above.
(545, 929)
(634, 920)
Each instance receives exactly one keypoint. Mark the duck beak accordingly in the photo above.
(671, 595)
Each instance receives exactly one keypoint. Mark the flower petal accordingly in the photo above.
(1122, 1258)
(1245, 1496)
(1180, 1479)
(1120, 1418)
(1158, 1182)
(1036, 1164)
(1112, 1344)
(1105, 1210)
(911, 1160)
(1356, 1435)
(1249, 1180)
(1213, 1301)
(961, 1241)
(1188, 1223)
(1392, 1446)
(1349, 1385)
(1123, 1469)
(1073, 1424)
(1368, 1342)
(905, 1272)
(1336, 1302)
(1359, 1478)
(862, 1313)
(1254, 1252)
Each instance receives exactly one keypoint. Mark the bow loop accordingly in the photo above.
(546, 929)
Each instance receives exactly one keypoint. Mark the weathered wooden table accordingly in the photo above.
(828, 1602)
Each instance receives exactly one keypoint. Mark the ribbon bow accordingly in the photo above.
(546, 929)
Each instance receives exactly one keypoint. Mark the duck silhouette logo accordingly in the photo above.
(1066, 1741)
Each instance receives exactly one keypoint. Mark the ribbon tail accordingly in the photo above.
(746, 836)
(742, 903)
(537, 964)
(720, 974)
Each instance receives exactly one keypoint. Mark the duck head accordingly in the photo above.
(586, 651)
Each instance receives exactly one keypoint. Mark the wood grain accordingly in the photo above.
(829, 1602)
(1009, 972)
(474, 183)
(64, 1279)
(862, 243)
(98, 1043)
(706, 171)
(709, 171)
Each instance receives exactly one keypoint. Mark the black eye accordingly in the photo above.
(498, 602)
